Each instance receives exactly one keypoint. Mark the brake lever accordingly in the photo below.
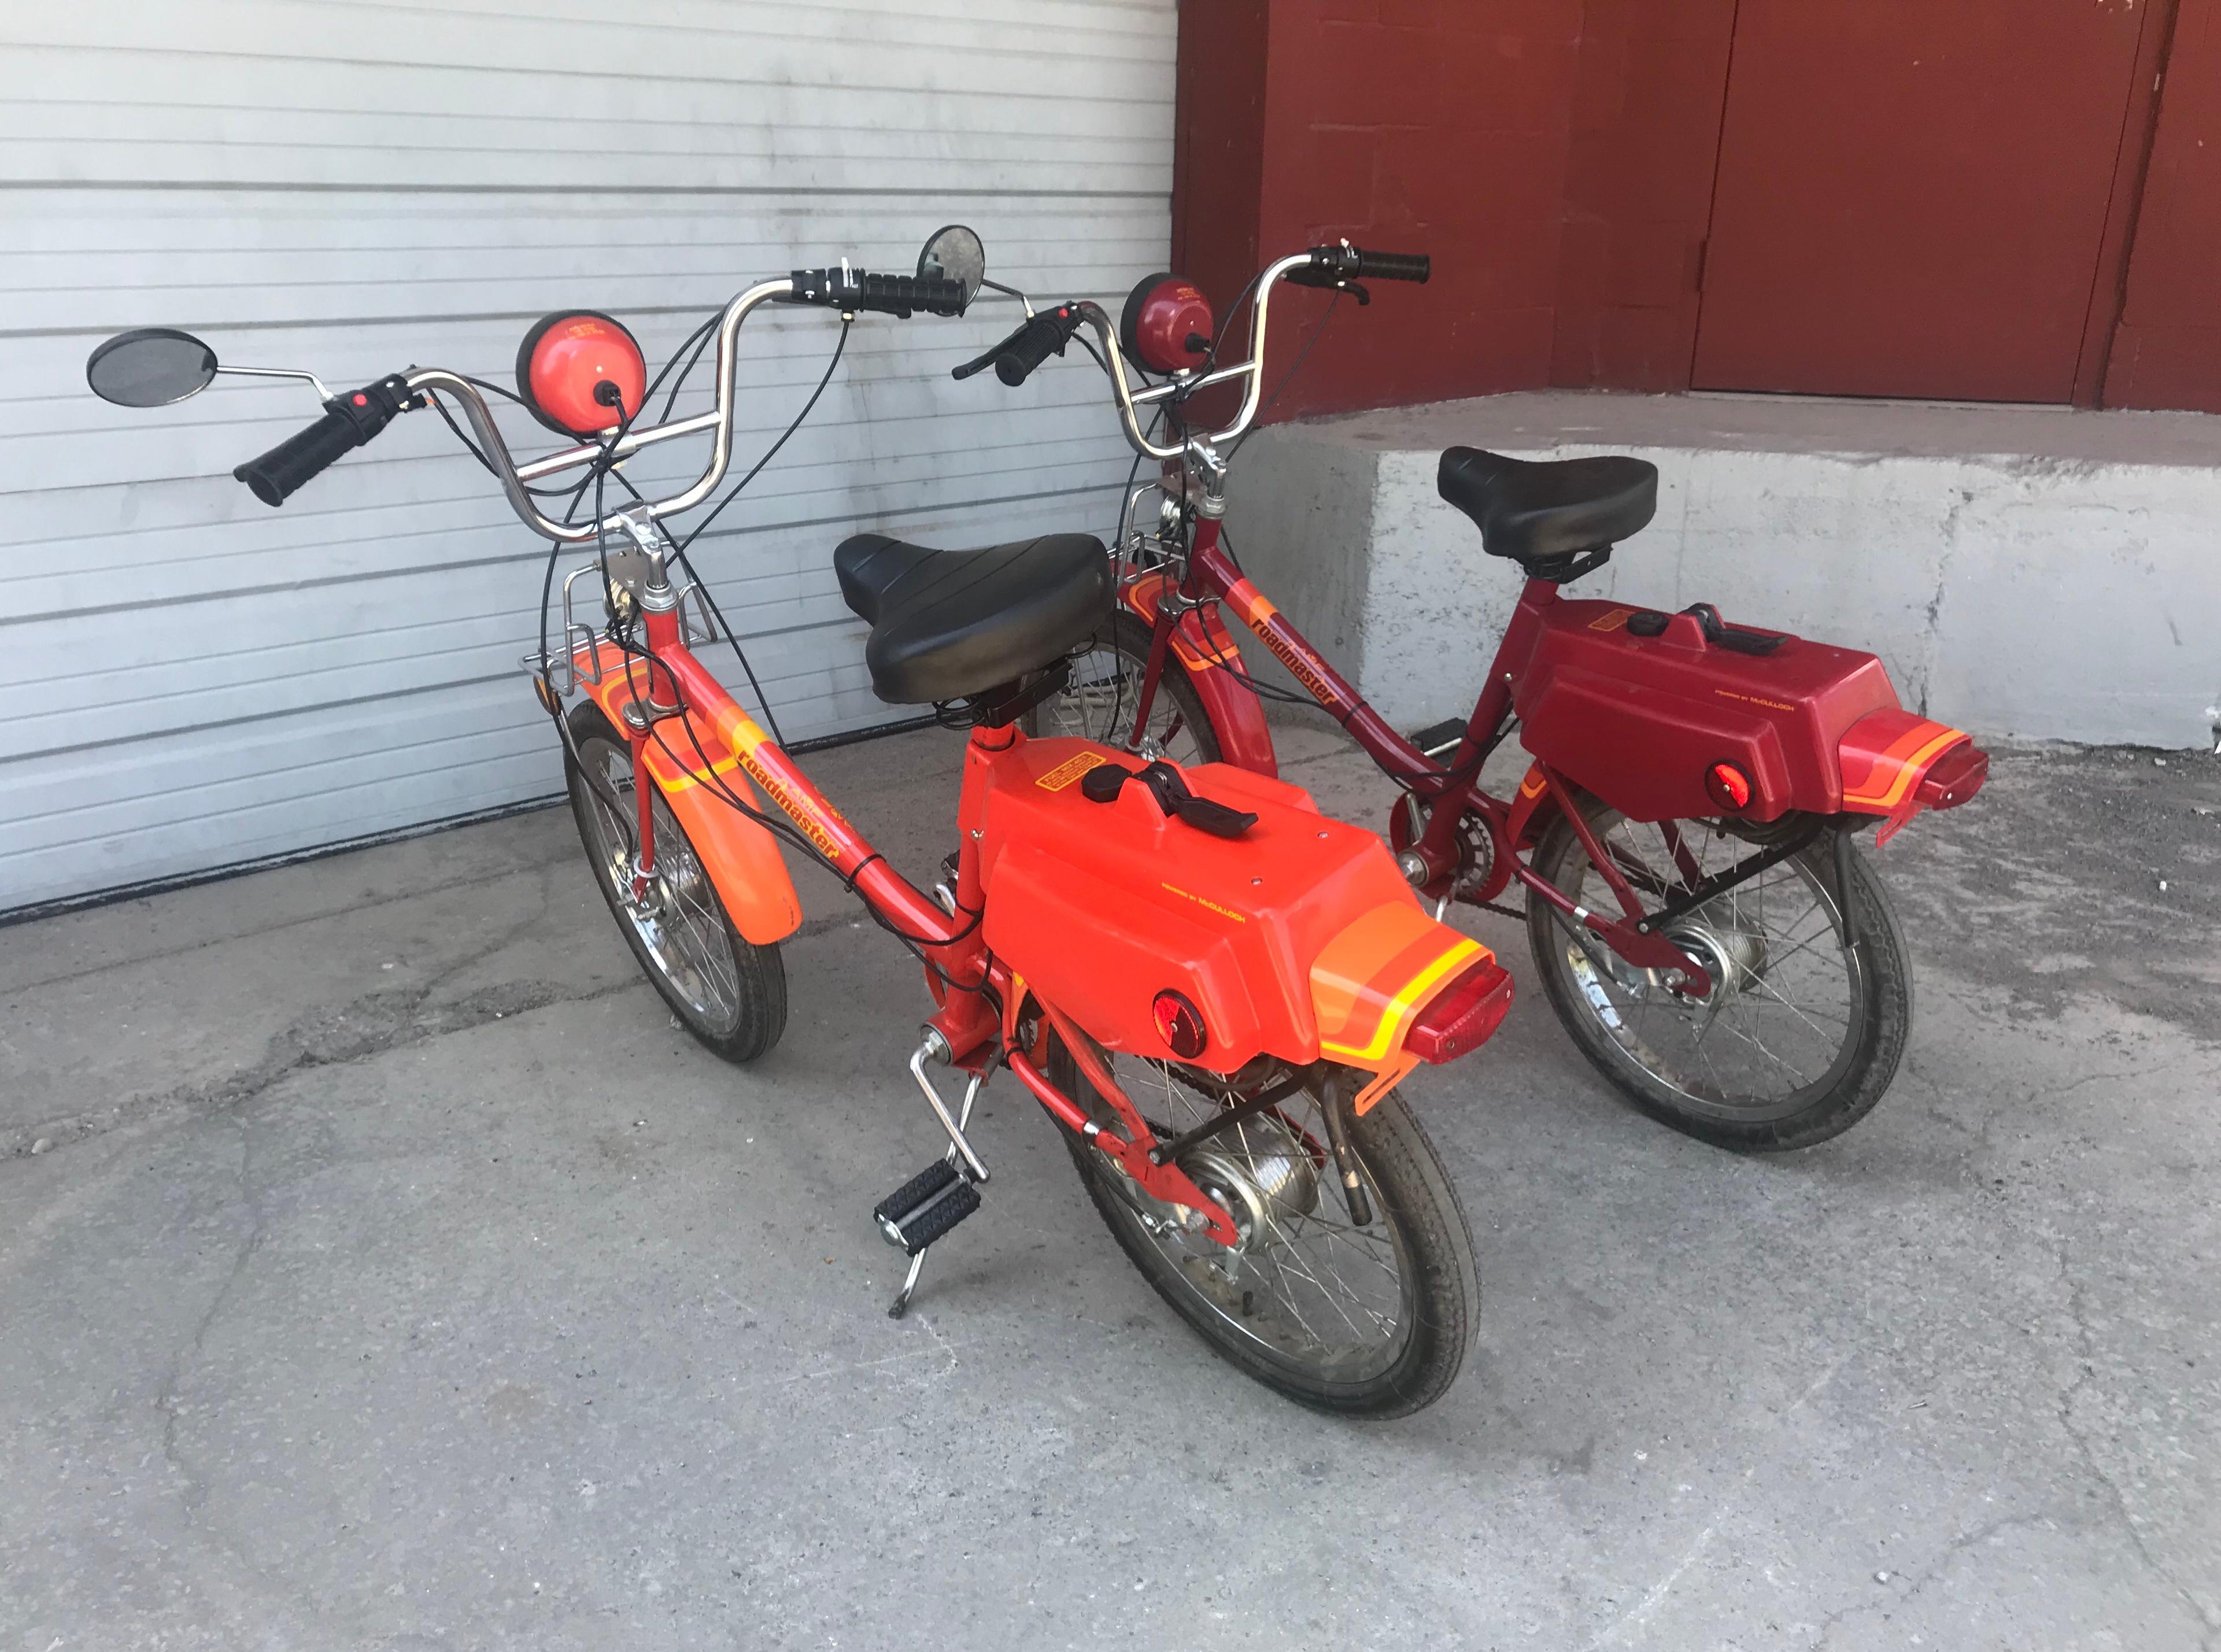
(985, 360)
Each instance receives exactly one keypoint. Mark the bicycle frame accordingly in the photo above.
(670, 705)
(1453, 787)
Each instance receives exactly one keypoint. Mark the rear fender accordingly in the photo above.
(1531, 809)
(1896, 763)
(1374, 984)
(1202, 647)
(690, 765)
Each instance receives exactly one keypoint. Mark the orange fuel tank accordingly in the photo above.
(1297, 939)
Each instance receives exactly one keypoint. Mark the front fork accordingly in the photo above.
(640, 717)
(643, 794)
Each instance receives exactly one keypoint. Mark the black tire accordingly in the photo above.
(1644, 1047)
(728, 992)
(1437, 1280)
(1090, 704)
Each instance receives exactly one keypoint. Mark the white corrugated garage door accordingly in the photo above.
(197, 680)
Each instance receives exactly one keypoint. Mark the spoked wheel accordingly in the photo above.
(1808, 1014)
(1369, 1320)
(728, 992)
(1098, 703)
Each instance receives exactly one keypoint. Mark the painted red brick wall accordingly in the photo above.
(2166, 350)
(1218, 155)
(1435, 126)
(1558, 160)
(1649, 93)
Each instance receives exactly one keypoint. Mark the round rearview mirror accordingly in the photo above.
(956, 254)
(150, 366)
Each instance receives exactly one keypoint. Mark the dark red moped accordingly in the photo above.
(1700, 913)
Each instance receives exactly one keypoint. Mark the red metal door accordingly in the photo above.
(1912, 195)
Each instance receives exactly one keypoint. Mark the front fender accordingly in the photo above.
(690, 764)
(1203, 648)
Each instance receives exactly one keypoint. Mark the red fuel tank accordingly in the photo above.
(1297, 939)
(1641, 720)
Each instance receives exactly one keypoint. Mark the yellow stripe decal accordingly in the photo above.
(1908, 771)
(1399, 1008)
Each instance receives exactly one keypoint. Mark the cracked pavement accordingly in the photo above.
(391, 1272)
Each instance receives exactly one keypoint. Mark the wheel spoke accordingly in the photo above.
(1780, 1019)
(1300, 1285)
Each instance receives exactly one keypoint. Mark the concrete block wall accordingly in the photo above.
(2058, 578)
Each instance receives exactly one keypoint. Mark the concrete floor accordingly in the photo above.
(391, 1272)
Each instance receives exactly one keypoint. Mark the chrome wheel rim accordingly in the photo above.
(1783, 1023)
(1098, 703)
(679, 922)
(1304, 1288)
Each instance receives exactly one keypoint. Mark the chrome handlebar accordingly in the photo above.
(718, 421)
(514, 477)
(1130, 401)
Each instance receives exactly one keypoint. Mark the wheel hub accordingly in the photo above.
(1265, 1178)
(1733, 958)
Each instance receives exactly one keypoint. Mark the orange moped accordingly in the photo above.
(1212, 989)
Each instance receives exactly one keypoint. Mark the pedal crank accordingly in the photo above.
(924, 1208)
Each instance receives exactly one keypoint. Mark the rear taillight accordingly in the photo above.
(1954, 778)
(1461, 1018)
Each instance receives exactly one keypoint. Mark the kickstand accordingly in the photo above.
(901, 1304)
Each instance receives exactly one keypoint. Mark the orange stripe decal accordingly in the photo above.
(1884, 755)
(1372, 978)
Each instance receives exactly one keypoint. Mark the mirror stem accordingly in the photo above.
(282, 372)
(1008, 292)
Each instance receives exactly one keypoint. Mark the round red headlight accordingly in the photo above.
(1180, 1024)
(1167, 323)
(1728, 786)
(580, 372)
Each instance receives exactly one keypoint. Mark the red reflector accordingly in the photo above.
(1180, 1024)
(361, 400)
(1462, 1018)
(1728, 786)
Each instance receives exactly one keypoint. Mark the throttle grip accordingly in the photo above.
(349, 421)
(299, 459)
(1045, 336)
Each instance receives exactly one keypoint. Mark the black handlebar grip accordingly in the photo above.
(899, 295)
(1393, 267)
(1342, 262)
(935, 295)
(300, 458)
(350, 421)
(1045, 336)
(890, 294)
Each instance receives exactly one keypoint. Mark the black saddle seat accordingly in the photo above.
(1540, 511)
(949, 624)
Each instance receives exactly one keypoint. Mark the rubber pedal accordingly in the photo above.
(927, 1183)
(938, 1218)
(925, 1207)
(1440, 737)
